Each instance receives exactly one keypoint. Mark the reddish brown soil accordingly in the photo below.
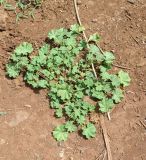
(25, 131)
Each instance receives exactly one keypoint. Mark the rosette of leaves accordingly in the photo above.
(64, 67)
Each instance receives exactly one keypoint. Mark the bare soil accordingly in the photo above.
(25, 131)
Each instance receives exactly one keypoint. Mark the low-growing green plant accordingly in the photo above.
(22, 8)
(63, 66)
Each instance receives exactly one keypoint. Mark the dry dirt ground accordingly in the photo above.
(25, 130)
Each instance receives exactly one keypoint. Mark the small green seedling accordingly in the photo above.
(64, 68)
(22, 8)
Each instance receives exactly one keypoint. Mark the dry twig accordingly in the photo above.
(104, 155)
(108, 115)
(79, 21)
(123, 67)
(144, 125)
(105, 135)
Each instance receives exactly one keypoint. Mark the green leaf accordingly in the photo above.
(69, 108)
(42, 83)
(58, 112)
(82, 44)
(15, 58)
(94, 49)
(80, 120)
(31, 76)
(106, 105)
(77, 28)
(24, 49)
(115, 80)
(63, 94)
(55, 104)
(31, 79)
(44, 49)
(84, 112)
(99, 57)
(109, 57)
(76, 113)
(57, 35)
(89, 131)
(60, 133)
(88, 107)
(89, 74)
(70, 42)
(52, 34)
(105, 76)
(117, 95)
(98, 94)
(95, 38)
(103, 68)
(94, 53)
(23, 62)
(90, 57)
(124, 78)
(79, 94)
(75, 69)
(99, 86)
(58, 60)
(70, 126)
(107, 87)
(12, 71)
(89, 82)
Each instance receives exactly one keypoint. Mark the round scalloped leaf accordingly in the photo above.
(106, 105)
(124, 78)
(109, 57)
(24, 49)
(60, 133)
(70, 126)
(89, 131)
(117, 95)
(12, 70)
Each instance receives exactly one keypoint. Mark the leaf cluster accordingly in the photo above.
(65, 64)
